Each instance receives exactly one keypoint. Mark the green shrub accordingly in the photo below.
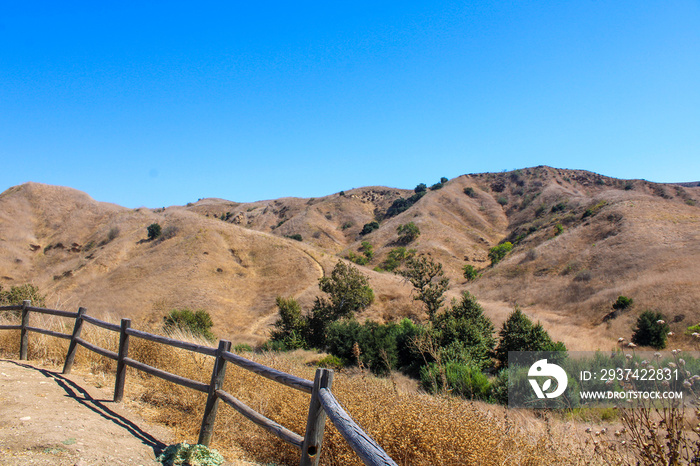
(368, 228)
(469, 191)
(408, 232)
(295, 237)
(16, 296)
(243, 348)
(463, 380)
(396, 258)
(198, 322)
(184, 454)
(153, 231)
(420, 188)
(331, 362)
(470, 272)
(623, 302)
(346, 225)
(651, 330)
(497, 253)
(502, 200)
(558, 229)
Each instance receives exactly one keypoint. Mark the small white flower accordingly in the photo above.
(687, 384)
(621, 339)
(628, 356)
(660, 322)
(670, 334)
(672, 365)
(631, 345)
(657, 355)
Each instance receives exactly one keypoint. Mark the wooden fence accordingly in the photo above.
(322, 402)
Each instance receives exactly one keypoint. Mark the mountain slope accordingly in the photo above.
(580, 240)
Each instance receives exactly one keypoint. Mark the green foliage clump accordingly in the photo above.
(464, 380)
(368, 254)
(429, 281)
(651, 330)
(558, 229)
(469, 191)
(190, 455)
(470, 272)
(243, 348)
(559, 207)
(295, 237)
(198, 322)
(153, 230)
(402, 205)
(520, 334)
(331, 362)
(408, 232)
(439, 185)
(368, 228)
(348, 292)
(16, 296)
(622, 303)
(502, 200)
(397, 257)
(420, 188)
(497, 253)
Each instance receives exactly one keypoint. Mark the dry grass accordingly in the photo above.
(414, 428)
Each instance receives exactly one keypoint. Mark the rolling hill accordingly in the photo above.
(580, 240)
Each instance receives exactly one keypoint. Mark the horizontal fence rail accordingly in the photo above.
(323, 403)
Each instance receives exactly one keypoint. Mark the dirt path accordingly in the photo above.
(47, 418)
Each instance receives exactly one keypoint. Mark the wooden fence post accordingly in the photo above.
(72, 348)
(121, 367)
(217, 381)
(316, 422)
(24, 333)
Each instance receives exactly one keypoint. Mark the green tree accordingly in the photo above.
(497, 253)
(520, 334)
(420, 188)
(428, 280)
(651, 330)
(153, 230)
(464, 334)
(291, 327)
(408, 232)
(198, 322)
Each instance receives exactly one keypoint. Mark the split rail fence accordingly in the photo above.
(323, 403)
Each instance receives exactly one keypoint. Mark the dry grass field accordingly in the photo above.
(414, 428)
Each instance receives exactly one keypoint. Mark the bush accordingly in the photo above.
(243, 348)
(295, 237)
(420, 188)
(462, 379)
(198, 323)
(622, 303)
(469, 191)
(408, 232)
(16, 296)
(470, 272)
(428, 280)
(331, 362)
(651, 330)
(153, 230)
(497, 253)
(368, 228)
(396, 257)
(503, 200)
(558, 229)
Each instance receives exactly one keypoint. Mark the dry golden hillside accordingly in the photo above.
(580, 240)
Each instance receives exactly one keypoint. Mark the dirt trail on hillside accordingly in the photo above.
(47, 418)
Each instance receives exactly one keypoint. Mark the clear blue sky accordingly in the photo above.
(161, 103)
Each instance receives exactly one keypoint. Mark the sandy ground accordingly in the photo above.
(47, 418)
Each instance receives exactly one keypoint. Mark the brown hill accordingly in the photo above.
(580, 240)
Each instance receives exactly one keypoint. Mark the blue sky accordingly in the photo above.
(162, 103)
